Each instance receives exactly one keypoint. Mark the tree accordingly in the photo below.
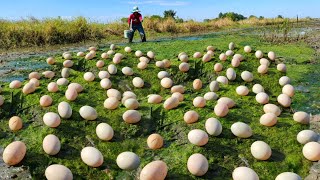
(261, 17)
(280, 17)
(169, 14)
(233, 16)
(252, 16)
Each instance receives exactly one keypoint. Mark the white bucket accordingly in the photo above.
(126, 33)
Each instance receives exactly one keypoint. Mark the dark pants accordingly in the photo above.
(141, 32)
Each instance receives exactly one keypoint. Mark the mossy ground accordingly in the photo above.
(224, 152)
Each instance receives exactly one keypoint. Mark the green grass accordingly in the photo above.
(224, 152)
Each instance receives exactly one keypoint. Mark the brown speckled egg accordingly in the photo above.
(51, 60)
(197, 84)
(15, 123)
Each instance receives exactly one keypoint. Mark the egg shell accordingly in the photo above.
(76, 86)
(89, 56)
(244, 173)
(104, 131)
(259, 54)
(272, 108)
(247, 76)
(284, 80)
(184, 58)
(223, 57)
(217, 67)
(268, 119)
(91, 156)
(131, 103)
(105, 83)
(272, 55)
(198, 137)
(197, 55)
(35, 75)
(197, 84)
(116, 60)
(88, 113)
(209, 96)
(214, 86)
(58, 172)
(257, 88)
(35, 81)
(138, 53)
(62, 81)
(103, 74)
(235, 62)
(127, 71)
(138, 82)
(154, 99)
(282, 67)
(45, 101)
(129, 94)
(263, 69)
(67, 63)
(51, 144)
(111, 103)
(104, 55)
(151, 54)
(127, 49)
(242, 90)
(65, 72)
(15, 84)
(15, 123)
(184, 67)
(155, 141)
(229, 53)
(261, 150)
(51, 60)
(284, 100)
(197, 164)
(241, 130)
(247, 49)
(223, 80)
(166, 82)
(53, 87)
(89, 76)
(131, 116)
(262, 98)
(264, 61)
(306, 136)
(288, 176)
(128, 161)
(160, 64)
(71, 94)
(64, 110)
(166, 63)
(191, 117)
(171, 103)
(114, 93)
(206, 57)
(177, 88)
(288, 89)
(155, 170)
(163, 74)
(110, 52)
(231, 74)
(301, 117)
(113, 46)
(228, 101)
(80, 54)
(199, 102)
(231, 46)
(28, 88)
(100, 64)
(144, 59)
(14, 153)
(210, 48)
(178, 95)
(51, 119)
(311, 151)
(112, 69)
(238, 56)
(213, 126)
(48, 74)
(221, 109)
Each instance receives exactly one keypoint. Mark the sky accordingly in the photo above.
(110, 10)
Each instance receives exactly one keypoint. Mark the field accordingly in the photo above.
(224, 152)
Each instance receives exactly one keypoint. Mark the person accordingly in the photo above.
(135, 23)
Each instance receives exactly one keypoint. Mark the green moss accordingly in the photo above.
(224, 152)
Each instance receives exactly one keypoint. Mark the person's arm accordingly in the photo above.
(140, 18)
